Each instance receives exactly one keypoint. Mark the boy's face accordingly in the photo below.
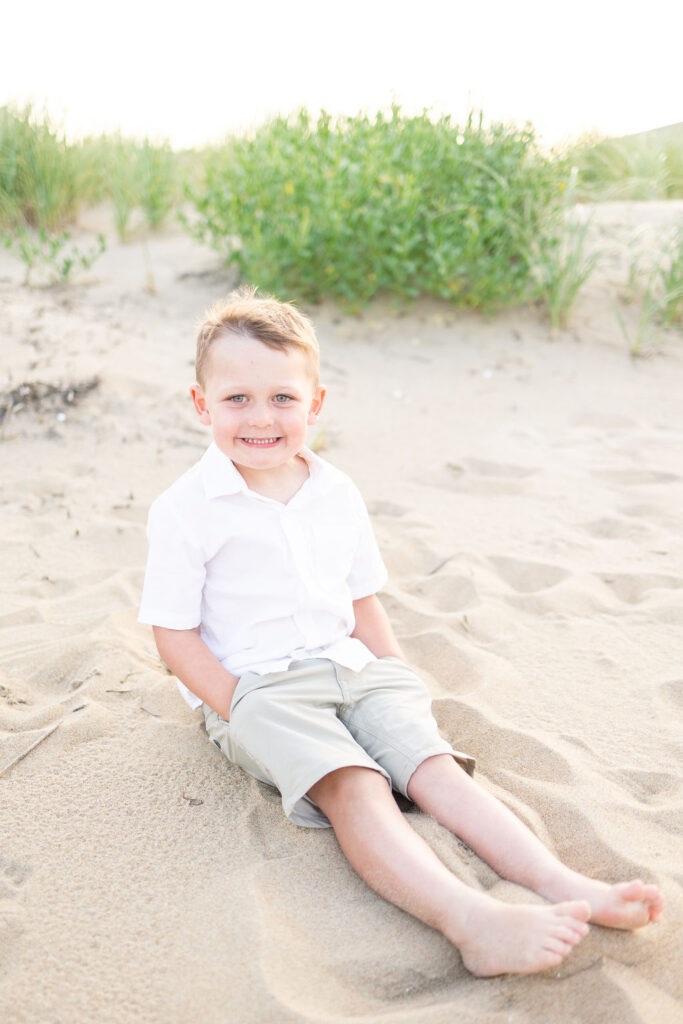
(258, 401)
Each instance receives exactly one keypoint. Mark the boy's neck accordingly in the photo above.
(280, 483)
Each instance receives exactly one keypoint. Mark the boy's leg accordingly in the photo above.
(443, 790)
(493, 937)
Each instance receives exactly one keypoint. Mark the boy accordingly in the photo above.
(261, 586)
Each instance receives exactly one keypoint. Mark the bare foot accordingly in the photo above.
(500, 938)
(627, 905)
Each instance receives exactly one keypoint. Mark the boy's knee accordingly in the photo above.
(434, 772)
(350, 783)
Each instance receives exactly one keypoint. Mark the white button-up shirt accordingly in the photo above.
(267, 583)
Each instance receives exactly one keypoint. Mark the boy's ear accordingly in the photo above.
(200, 405)
(316, 406)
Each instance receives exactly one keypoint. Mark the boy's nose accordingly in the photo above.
(260, 416)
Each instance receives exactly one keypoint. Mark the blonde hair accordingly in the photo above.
(278, 325)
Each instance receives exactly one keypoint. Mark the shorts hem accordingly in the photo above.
(402, 781)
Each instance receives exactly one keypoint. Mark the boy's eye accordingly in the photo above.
(238, 399)
(281, 399)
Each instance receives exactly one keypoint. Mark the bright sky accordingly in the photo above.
(193, 72)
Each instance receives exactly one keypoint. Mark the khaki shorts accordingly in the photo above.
(289, 729)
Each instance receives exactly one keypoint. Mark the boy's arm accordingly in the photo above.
(188, 658)
(374, 629)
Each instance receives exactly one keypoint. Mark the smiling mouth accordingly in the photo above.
(260, 442)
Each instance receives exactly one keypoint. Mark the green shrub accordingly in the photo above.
(349, 207)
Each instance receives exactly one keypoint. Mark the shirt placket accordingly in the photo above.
(296, 537)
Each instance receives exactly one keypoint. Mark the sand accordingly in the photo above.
(527, 497)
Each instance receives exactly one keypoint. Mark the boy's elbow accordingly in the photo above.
(168, 639)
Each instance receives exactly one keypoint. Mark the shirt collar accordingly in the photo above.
(220, 477)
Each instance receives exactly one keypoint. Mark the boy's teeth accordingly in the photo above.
(260, 440)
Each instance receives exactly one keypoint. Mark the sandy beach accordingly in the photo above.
(526, 494)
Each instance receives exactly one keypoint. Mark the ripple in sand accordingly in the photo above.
(499, 747)
(447, 592)
(307, 968)
(528, 577)
(437, 653)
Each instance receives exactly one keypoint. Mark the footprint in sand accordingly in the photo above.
(12, 878)
(499, 470)
(633, 588)
(635, 477)
(672, 693)
(610, 528)
(386, 508)
(648, 787)
(480, 476)
(528, 577)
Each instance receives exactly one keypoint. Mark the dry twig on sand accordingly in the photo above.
(28, 750)
(42, 396)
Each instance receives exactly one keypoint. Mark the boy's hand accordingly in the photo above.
(188, 658)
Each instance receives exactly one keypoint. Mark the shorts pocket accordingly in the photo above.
(247, 682)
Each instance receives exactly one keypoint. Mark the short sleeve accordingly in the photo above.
(368, 573)
(175, 573)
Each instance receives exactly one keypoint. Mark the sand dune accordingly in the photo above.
(526, 495)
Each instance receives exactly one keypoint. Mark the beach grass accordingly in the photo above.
(45, 180)
(135, 176)
(645, 166)
(655, 286)
(563, 258)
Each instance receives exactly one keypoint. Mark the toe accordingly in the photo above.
(571, 935)
(631, 890)
(558, 947)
